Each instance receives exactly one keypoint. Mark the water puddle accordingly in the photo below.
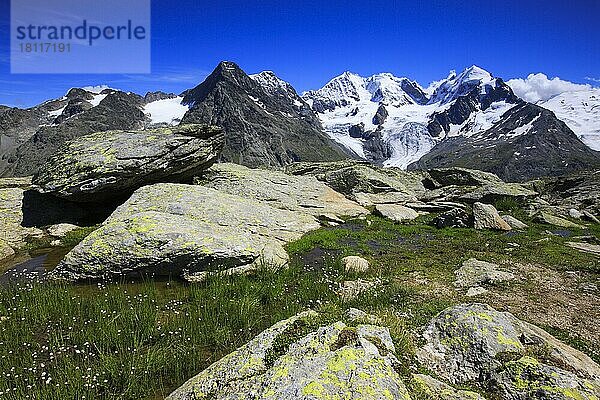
(31, 265)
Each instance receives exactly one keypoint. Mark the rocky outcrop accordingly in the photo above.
(454, 218)
(486, 217)
(380, 115)
(185, 230)
(110, 164)
(475, 344)
(297, 359)
(280, 190)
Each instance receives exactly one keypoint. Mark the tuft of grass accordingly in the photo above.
(74, 237)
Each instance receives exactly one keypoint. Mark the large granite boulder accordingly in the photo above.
(280, 190)
(297, 359)
(185, 230)
(475, 344)
(110, 164)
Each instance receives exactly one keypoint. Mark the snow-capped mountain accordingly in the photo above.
(580, 110)
(394, 121)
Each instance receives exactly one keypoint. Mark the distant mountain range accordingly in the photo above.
(471, 119)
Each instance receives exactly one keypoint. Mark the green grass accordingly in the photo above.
(140, 341)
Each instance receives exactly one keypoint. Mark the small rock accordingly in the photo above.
(356, 315)
(513, 222)
(575, 214)
(476, 291)
(487, 217)
(355, 264)
(396, 212)
(455, 218)
(550, 219)
(350, 290)
(60, 230)
(585, 247)
(475, 273)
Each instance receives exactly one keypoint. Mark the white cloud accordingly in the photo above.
(537, 87)
(589, 78)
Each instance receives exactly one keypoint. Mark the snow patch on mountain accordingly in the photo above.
(166, 111)
(580, 110)
(461, 84)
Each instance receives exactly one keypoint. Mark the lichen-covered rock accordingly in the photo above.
(547, 218)
(176, 229)
(476, 273)
(527, 378)
(280, 190)
(355, 264)
(435, 389)
(396, 212)
(109, 164)
(295, 359)
(473, 343)
(486, 217)
(513, 222)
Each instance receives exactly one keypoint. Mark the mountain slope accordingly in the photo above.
(528, 142)
(266, 123)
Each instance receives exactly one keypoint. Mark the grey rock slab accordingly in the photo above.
(280, 190)
(106, 165)
(396, 212)
(514, 223)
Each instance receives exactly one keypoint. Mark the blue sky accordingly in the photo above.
(308, 42)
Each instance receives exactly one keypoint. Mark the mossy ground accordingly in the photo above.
(142, 340)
